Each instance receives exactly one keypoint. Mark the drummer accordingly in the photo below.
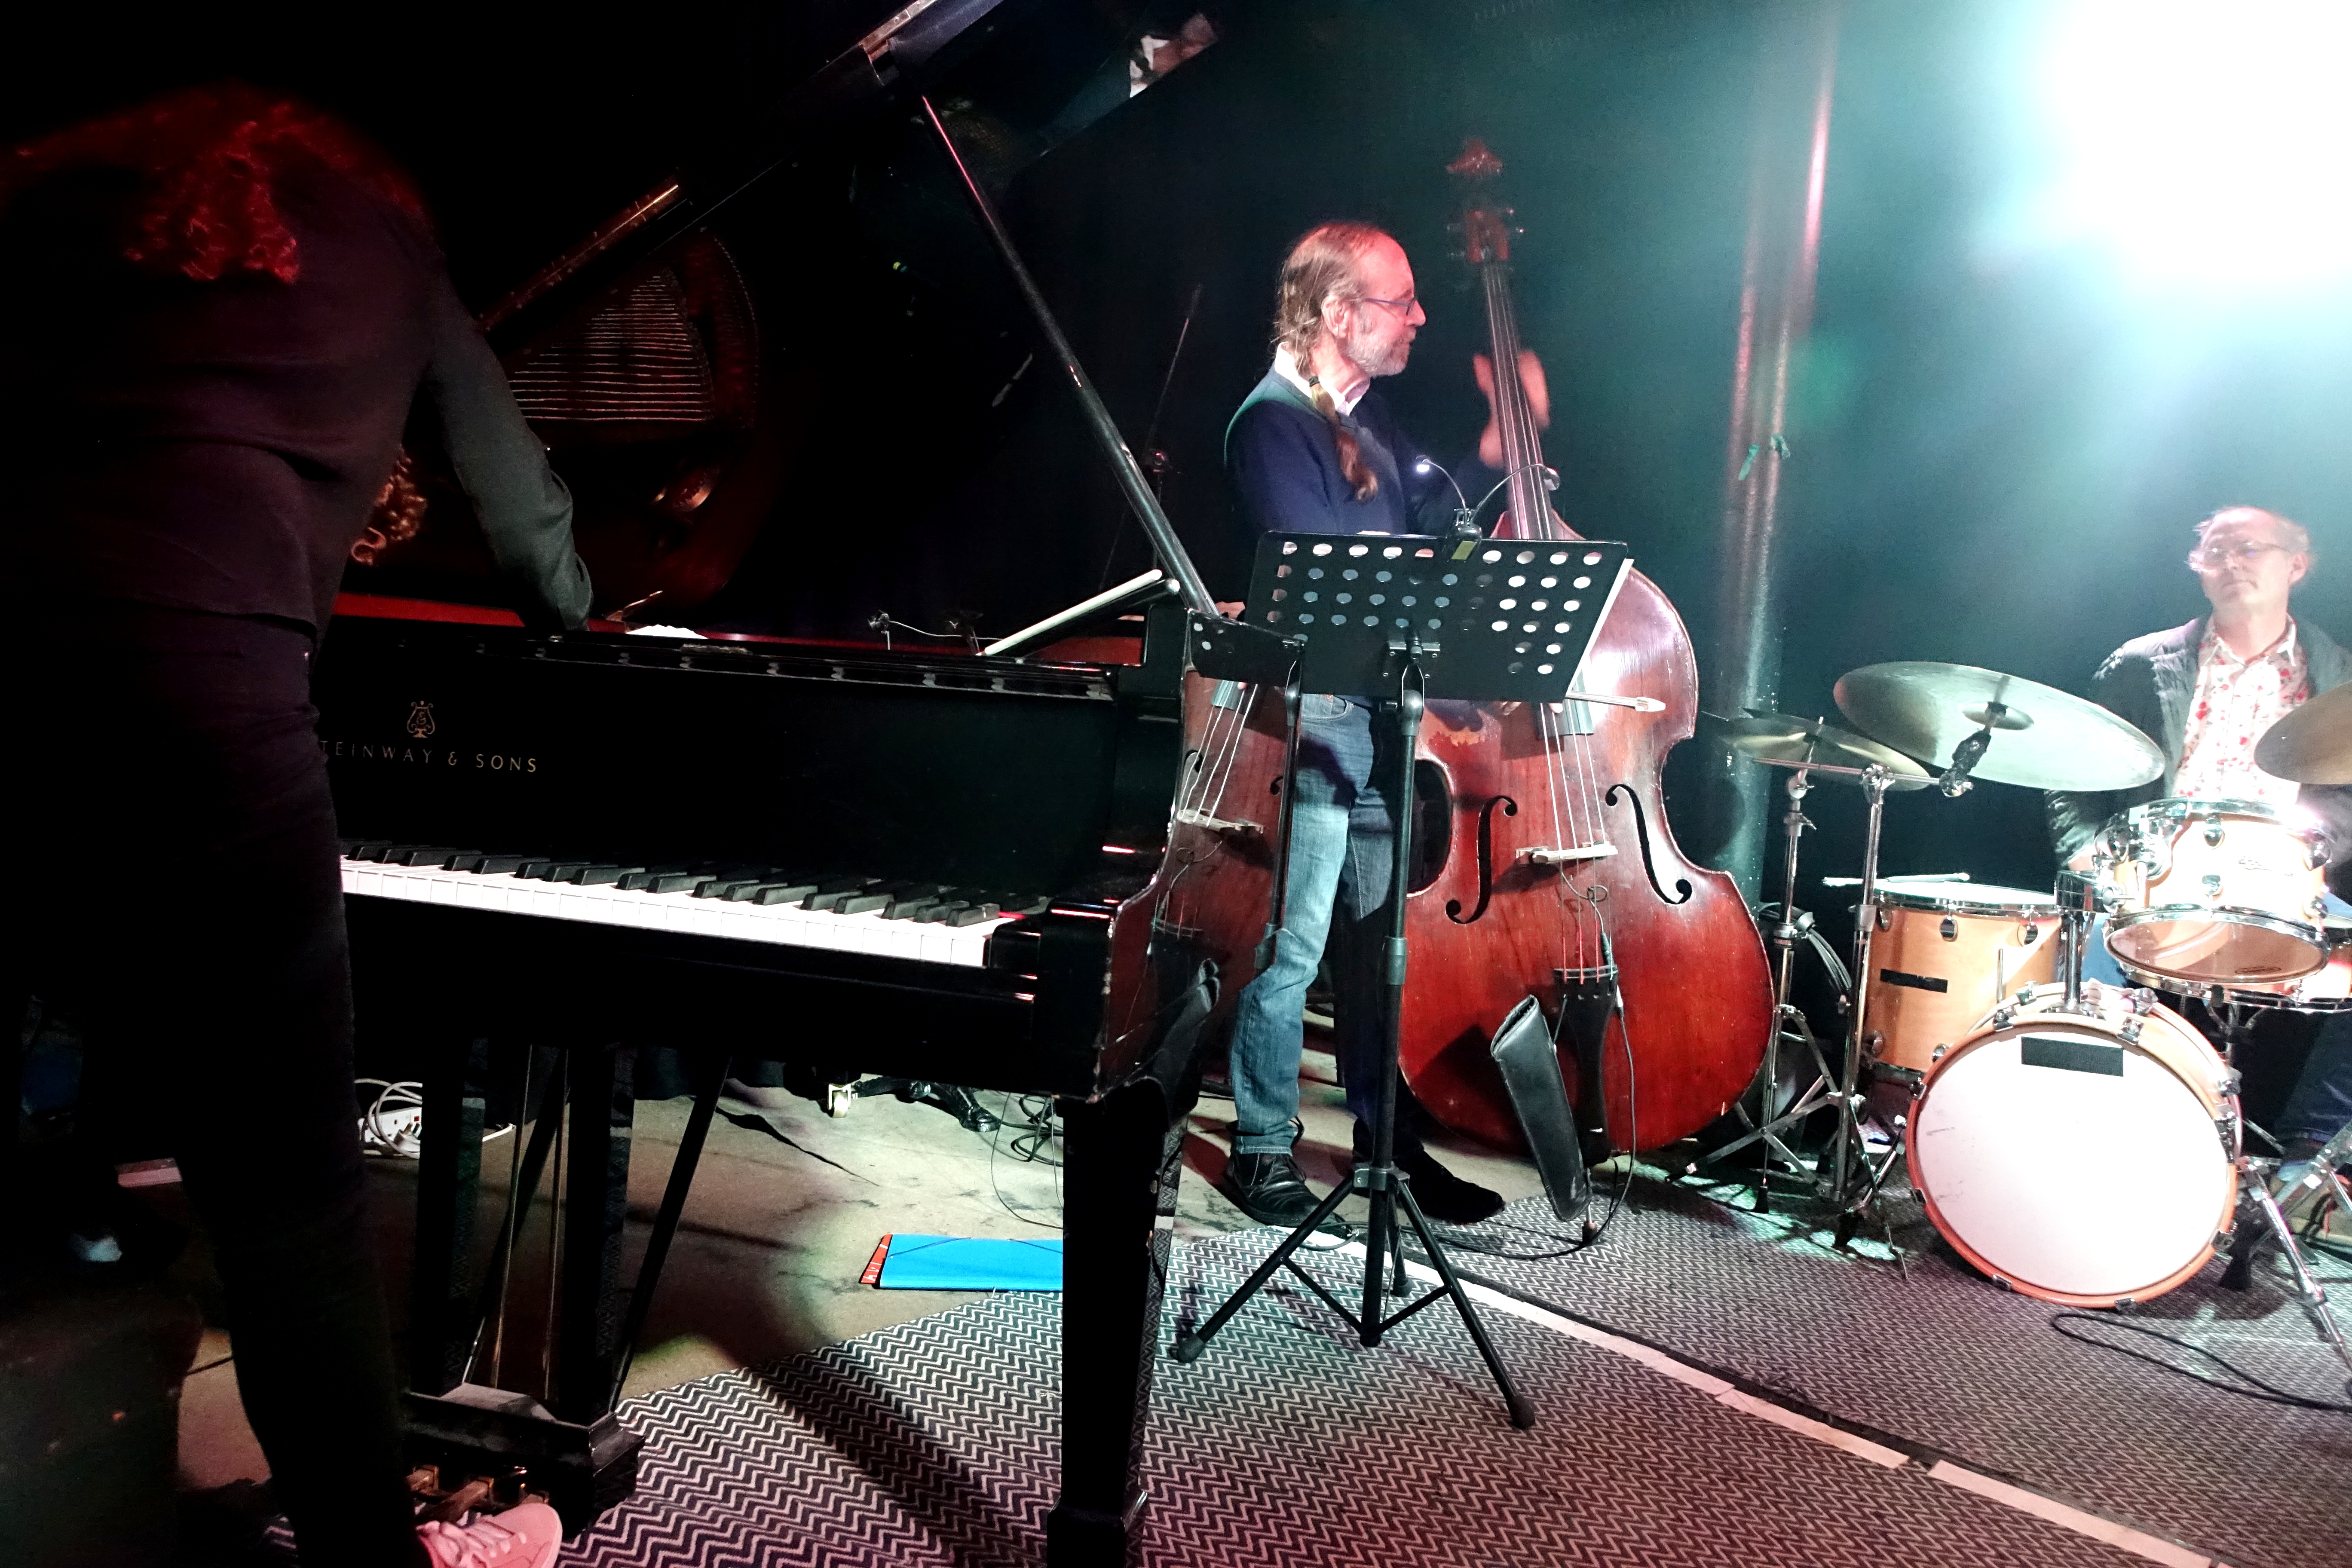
(2205, 692)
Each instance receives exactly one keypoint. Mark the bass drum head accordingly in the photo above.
(2072, 1166)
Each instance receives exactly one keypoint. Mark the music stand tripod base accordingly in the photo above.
(1409, 617)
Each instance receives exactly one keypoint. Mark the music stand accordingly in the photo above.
(1484, 620)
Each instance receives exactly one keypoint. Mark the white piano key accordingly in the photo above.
(781, 925)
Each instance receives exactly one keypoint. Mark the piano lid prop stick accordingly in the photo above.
(1134, 589)
(1164, 543)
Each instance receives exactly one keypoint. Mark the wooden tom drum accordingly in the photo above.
(1944, 953)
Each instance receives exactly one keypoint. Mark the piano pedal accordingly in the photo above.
(473, 1494)
(838, 1097)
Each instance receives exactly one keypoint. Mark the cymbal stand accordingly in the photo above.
(1833, 1089)
(1793, 927)
(1875, 781)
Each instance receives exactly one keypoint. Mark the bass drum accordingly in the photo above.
(2084, 1159)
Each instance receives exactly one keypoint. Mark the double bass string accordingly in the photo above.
(1572, 772)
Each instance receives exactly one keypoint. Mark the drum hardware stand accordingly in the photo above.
(1840, 1090)
(1794, 925)
(2326, 1176)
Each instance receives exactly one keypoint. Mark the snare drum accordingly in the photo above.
(2215, 892)
(2085, 1159)
(1943, 953)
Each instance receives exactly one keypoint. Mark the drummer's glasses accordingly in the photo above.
(2208, 557)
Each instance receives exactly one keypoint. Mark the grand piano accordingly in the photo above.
(931, 864)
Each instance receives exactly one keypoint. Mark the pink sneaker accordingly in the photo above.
(526, 1536)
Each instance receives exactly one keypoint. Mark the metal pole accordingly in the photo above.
(1875, 781)
(1173, 557)
(1788, 172)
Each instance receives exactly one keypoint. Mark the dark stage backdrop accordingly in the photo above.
(1996, 456)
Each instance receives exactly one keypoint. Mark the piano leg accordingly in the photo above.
(1124, 1157)
(597, 1210)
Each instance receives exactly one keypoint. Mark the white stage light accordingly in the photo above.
(2206, 144)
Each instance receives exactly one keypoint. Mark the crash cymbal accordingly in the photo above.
(2313, 745)
(2042, 739)
(1790, 742)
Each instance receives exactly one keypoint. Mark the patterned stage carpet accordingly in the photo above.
(1287, 1444)
(2190, 1443)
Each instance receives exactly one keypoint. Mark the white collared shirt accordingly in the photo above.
(1285, 366)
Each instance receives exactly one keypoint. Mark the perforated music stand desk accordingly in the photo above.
(1403, 618)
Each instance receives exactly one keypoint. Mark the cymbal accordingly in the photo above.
(2313, 745)
(1778, 738)
(2044, 738)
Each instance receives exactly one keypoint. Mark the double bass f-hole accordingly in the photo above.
(1485, 860)
(1681, 894)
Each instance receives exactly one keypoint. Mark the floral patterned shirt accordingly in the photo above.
(2236, 699)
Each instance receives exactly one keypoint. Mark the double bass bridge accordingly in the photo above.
(1552, 855)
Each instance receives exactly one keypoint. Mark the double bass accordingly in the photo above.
(1544, 864)
(1547, 868)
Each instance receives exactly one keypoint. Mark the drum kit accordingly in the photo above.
(2074, 1140)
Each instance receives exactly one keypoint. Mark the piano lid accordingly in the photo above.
(678, 358)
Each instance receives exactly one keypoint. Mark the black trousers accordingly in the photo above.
(182, 902)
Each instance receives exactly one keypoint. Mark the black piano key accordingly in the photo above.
(531, 866)
(423, 855)
(863, 904)
(563, 871)
(830, 895)
(371, 849)
(910, 904)
(640, 880)
(1035, 906)
(497, 865)
(972, 915)
(676, 881)
(778, 892)
(604, 875)
(727, 886)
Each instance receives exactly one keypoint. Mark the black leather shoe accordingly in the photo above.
(1445, 1197)
(1269, 1188)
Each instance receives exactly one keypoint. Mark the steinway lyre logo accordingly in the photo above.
(420, 719)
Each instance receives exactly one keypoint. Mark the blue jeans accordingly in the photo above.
(1342, 836)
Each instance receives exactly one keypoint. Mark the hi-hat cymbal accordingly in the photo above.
(1790, 741)
(2041, 738)
(2313, 745)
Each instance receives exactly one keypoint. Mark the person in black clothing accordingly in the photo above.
(225, 308)
(1314, 449)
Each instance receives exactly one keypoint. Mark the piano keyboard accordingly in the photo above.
(843, 915)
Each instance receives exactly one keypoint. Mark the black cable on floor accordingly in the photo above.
(1033, 1135)
(2259, 1390)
